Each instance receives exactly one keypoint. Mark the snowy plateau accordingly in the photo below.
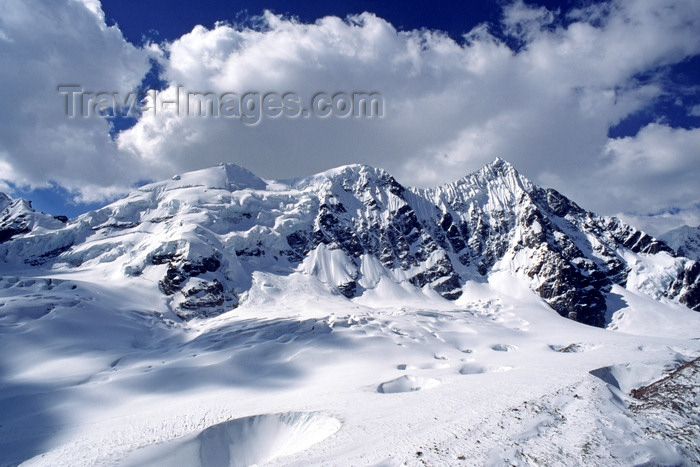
(219, 319)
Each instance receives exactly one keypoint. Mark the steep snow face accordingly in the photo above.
(497, 219)
(202, 236)
(365, 211)
(18, 217)
(4, 201)
(685, 241)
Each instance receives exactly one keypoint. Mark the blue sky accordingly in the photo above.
(597, 99)
(170, 20)
(142, 21)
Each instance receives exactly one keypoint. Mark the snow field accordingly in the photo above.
(112, 383)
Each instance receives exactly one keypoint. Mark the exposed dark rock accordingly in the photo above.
(48, 256)
(438, 238)
(9, 232)
(163, 258)
(687, 286)
(205, 296)
(348, 289)
(179, 271)
(116, 225)
(250, 252)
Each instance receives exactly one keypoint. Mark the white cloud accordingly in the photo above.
(650, 174)
(526, 22)
(651, 178)
(46, 44)
(659, 223)
(449, 106)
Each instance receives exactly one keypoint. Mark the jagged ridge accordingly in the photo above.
(203, 234)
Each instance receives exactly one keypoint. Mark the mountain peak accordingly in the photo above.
(497, 180)
(352, 226)
(352, 169)
(685, 241)
(237, 175)
(501, 172)
(499, 166)
(499, 161)
(4, 201)
(223, 176)
(357, 175)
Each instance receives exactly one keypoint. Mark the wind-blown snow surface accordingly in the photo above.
(342, 319)
(98, 374)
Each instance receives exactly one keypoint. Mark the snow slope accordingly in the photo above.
(96, 374)
(685, 241)
(343, 319)
(201, 237)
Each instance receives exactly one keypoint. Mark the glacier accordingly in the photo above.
(344, 319)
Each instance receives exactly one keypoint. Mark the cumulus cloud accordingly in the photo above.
(546, 103)
(654, 175)
(43, 45)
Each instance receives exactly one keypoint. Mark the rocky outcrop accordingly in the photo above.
(205, 234)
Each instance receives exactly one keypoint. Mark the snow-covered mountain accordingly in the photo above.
(17, 217)
(203, 235)
(684, 241)
(343, 319)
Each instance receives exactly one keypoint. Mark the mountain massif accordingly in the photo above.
(202, 237)
(217, 318)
